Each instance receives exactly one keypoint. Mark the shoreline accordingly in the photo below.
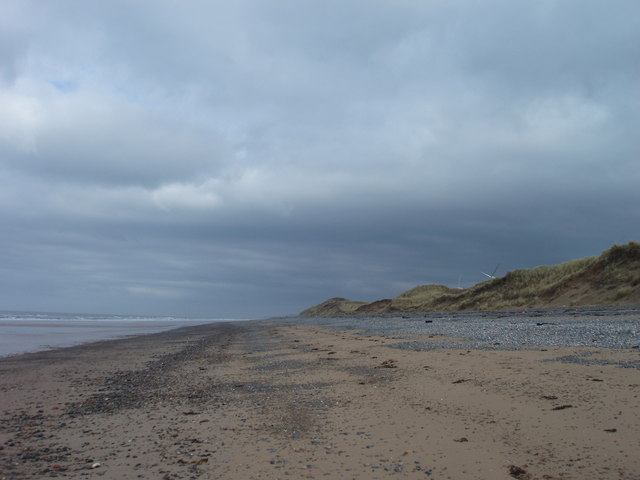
(268, 399)
(30, 332)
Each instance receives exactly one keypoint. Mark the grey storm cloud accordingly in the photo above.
(253, 157)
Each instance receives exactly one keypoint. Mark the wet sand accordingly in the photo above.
(258, 400)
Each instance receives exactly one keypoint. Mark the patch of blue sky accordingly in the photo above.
(64, 86)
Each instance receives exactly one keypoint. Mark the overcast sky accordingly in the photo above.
(251, 158)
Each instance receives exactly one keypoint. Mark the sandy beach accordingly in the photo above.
(268, 400)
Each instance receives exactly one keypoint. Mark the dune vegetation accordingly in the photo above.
(333, 307)
(612, 278)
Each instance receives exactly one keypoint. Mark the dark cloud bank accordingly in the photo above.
(251, 158)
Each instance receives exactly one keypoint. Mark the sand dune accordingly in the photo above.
(612, 278)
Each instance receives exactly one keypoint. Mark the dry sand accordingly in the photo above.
(267, 401)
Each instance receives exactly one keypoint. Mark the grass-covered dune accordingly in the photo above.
(333, 307)
(612, 278)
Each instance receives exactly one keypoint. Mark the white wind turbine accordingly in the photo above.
(493, 274)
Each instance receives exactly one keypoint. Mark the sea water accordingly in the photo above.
(22, 332)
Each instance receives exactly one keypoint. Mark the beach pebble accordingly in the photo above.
(517, 472)
(95, 465)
